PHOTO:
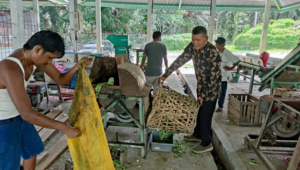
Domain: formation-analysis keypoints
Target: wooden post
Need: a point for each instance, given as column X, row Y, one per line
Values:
column 212, row 20
column 264, row 34
column 17, row 23
column 73, row 32
column 98, row 27
column 295, row 158
column 149, row 21
column 36, row 14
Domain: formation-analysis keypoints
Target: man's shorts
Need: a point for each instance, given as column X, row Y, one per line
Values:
column 17, row 138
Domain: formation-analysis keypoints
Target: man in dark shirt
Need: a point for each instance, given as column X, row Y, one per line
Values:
column 207, row 63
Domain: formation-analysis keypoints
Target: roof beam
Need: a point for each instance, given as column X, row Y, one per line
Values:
column 290, row 8
column 164, row 6
column 277, row 4
column 180, row 2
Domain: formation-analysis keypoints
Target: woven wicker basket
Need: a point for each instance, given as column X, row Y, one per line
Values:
column 172, row 111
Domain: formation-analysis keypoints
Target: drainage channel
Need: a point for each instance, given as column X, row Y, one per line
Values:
column 217, row 160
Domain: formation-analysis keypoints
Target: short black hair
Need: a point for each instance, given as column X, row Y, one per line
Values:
column 199, row 30
column 156, row 34
column 50, row 41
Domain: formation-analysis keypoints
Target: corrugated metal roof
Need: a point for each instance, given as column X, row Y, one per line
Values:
column 222, row 5
column 199, row 2
column 283, row 3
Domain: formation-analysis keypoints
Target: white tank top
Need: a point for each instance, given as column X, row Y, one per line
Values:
column 7, row 107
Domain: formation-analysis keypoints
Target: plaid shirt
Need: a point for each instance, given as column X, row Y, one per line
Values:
column 207, row 63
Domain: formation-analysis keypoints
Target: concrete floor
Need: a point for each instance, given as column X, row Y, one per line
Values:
column 154, row 160
column 160, row 160
column 166, row 161
column 234, row 133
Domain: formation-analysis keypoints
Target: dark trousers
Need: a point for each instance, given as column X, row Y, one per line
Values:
column 223, row 94
column 203, row 128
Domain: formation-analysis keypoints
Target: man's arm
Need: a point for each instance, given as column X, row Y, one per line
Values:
column 14, row 81
column 231, row 68
column 234, row 59
column 180, row 60
column 143, row 61
column 64, row 78
column 166, row 61
column 165, row 57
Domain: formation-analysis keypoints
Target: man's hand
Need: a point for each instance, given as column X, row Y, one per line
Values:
column 228, row 68
column 142, row 67
column 161, row 80
column 200, row 100
column 72, row 132
column 86, row 61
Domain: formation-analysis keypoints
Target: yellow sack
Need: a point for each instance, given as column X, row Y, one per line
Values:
column 90, row 151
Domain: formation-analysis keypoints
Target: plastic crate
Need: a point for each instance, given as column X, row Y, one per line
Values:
column 159, row 146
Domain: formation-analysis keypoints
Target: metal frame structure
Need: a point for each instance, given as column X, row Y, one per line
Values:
column 270, row 77
column 285, row 112
column 136, row 123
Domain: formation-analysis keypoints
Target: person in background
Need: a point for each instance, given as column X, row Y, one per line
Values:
column 227, row 59
column 155, row 52
column 18, row 137
column 207, row 63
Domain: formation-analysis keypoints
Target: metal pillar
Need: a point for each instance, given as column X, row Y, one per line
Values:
column 36, row 14
column 17, row 23
column 255, row 19
column 98, row 27
column 73, row 32
column 252, row 81
column 272, row 85
column 212, row 20
column 264, row 33
column 149, row 21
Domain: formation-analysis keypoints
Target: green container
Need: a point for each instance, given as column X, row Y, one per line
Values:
column 121, row 43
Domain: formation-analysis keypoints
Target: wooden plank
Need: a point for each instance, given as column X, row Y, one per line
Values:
column 280, row 149
column 235, row 119
column 234, row 102
column 62, row 165
column 53, row 153
column 257, row 62
column 257, row 115
column 46, row 133
column 296, row 157
column 244, row 112
column 235, row 112
column 249, row 109
column 53, row 114
column 254, row 98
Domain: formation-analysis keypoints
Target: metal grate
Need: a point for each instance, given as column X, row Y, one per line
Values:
column 30, row 27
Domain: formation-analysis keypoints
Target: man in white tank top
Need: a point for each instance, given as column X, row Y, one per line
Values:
column 18, row 136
